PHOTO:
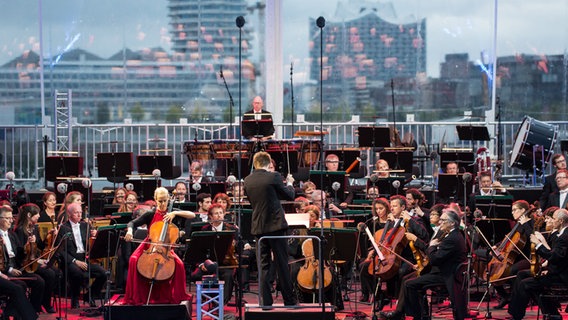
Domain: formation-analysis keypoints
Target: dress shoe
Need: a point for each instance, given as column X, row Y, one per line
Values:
column 553, row 317
column 49, row 309
column 502, row 303
column 392, row 315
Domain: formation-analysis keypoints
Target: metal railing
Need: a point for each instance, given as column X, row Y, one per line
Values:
column 22, row 147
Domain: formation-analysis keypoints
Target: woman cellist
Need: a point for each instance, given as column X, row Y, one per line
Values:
column 517, row 239
column 28, row 235
column 172, row 290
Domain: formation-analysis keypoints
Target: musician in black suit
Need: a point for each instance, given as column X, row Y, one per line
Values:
column 446, row 255
column 259, row 114
column 216, row 215
column 527, row 286
column 13, row 254
column 560, row 197
column 559, row 162
column 264, row 190
column 72, row 256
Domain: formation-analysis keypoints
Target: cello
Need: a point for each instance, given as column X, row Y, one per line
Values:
column 157, row 262
column 500, row 265
column 308, row 276
column 391, row 243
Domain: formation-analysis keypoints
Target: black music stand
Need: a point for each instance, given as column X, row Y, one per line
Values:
column 451, row 187
column 147, row 164
column 106, row 241
column 205, row 245
column 246, row 223
column 212, row 188
column 195, row 227
column 374, row 137
column 463, row 159
column 494, row 229
column 386, row 187
column 398, row 160
column 185, row 206
column 58, row 166
column 281, row 159
column 328, row 178
column 114, row 166
column 257, row 128
column 473, row 133
column 338, row 243
column 110, row 209
column 144, row 186
column 227, row 167
column 120, row 218
column 497, row 206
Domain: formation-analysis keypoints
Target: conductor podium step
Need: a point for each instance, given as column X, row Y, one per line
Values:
column 281, row 312
column 115, row 310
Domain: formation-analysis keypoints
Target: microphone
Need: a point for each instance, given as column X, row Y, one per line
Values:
column 86, row 183
column 466, row 177
column 363, row 156
column 241, row 21
column 196, row 186
column 396, row 184
column 335, row 186
column 157, row 173
column 477, row 213
column 129, row 186
column 62, row 188
column 221, row 71
column 10, row 175
column 320, row 22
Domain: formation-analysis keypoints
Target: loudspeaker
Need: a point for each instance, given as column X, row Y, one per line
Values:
column 180, row 311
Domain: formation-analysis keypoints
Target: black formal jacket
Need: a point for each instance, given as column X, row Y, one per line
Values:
column 18, row 248
column 69, row 252
column 448, row 254
column 554, row 200
column 557, row 257
column 548, row 188
column 265, row 190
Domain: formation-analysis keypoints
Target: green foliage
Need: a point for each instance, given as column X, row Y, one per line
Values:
column 137, row 112
column 174, row 113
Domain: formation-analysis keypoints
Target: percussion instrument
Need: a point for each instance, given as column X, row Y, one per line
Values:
column 533, row 133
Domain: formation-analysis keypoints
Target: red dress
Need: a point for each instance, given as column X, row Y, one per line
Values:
column 170, row 291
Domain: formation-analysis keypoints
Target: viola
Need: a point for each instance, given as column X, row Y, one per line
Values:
column 308, row 276
column 500, row 265
column 157, row 262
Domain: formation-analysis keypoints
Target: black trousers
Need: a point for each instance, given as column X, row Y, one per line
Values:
column 279, row 248
column 18, row 303
column 77, row 277
column 527, row 286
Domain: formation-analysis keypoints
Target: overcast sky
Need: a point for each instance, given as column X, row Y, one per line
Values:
column 453, row 26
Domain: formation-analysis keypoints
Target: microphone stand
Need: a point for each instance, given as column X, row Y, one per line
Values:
column 292, row 95
column 231, row 102
column 240, row 22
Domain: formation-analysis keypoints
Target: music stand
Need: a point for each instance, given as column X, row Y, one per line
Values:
column 227, row 167
column 103, row 247
column 144, row 186
column 120, row 218
column 463, row 159
column 110, row 209
column 58, row 166
column 338, row 244
column 186, row 206
column 257, row 128
column 375, row 137
column 398, row 160
column 473, row 133
column 147, row 164
column 385, row 186
column 450, row 186
column 494, row 229
column 208, row 187
column 196, row 227
column 328, row 178
column 246, row 223
column 497, row 206
column 281, row 158
column 114, row 166
column 205, row 245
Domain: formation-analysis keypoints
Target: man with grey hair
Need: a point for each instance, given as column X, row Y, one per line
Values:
column 527, row 286
column 447, row 254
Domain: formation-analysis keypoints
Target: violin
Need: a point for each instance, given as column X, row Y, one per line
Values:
column 31, row 252
column 500, row 265
column 308, row 276
column 535, row 262
column 157, row 262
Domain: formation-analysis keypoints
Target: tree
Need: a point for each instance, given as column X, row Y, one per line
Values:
column 137, row 112
column 174, row 113
column 102, row 113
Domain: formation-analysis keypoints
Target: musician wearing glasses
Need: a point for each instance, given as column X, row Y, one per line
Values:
column 446, row 255
column 559, row 198
column 526, row 286
column 13, row 254
column 559, row 162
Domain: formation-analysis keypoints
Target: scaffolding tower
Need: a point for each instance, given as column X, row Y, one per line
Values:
column 63, row 107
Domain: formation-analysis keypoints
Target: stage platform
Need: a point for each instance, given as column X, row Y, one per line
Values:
column 352, row 308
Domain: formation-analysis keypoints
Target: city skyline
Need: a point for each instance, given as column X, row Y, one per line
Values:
column 106, row 26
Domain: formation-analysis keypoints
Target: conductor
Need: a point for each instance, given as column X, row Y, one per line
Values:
column 265, row 189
